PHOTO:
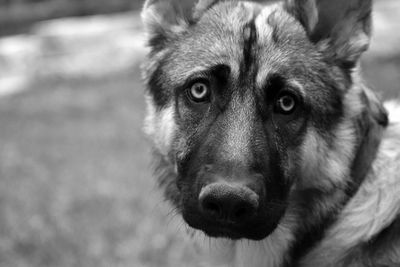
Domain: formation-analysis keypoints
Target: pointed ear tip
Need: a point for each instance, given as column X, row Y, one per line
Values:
column 150, row 7
column 152, row 22
column 151, row 15
column 147, row 17
column 148, row 3
column 145, row 9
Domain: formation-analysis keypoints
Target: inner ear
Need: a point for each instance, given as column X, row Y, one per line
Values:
column 345, row 25
column 336, row 15
column 321, row 18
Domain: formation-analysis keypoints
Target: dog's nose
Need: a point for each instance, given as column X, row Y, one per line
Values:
column 228, row 203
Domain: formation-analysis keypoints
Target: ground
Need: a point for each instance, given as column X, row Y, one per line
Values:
column 76, row 187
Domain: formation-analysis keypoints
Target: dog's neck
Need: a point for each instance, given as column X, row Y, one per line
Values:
column 375, row 205
column 369, row 131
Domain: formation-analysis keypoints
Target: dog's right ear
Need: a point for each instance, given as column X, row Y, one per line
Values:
column 165, row 19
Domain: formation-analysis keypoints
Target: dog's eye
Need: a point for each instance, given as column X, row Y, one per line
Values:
column 286, row 104
column 199, row 92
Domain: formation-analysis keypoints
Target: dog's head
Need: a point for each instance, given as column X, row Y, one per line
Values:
column 255, row 109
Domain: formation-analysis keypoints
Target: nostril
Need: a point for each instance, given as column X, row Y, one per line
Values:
column 211, row 207
column 240, row 213
column 243, row 211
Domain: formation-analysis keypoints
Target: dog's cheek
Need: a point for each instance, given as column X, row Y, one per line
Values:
column 189, row 114
column 160, row 126
column 291, row 167
column 327, row 165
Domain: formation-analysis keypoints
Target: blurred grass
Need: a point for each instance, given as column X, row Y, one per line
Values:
column 383, row 75
column 19, row 16
column 75, row 187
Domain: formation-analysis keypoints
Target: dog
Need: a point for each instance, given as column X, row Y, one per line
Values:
column 263, row 130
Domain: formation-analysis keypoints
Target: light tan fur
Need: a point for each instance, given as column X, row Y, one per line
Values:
column 160, row 126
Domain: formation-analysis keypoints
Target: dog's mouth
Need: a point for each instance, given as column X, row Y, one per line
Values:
column 234, row 233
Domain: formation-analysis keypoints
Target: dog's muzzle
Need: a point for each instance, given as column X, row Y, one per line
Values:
column 230, row 207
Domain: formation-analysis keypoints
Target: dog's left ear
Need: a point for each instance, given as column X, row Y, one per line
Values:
column 344, row 25
column 165, row 19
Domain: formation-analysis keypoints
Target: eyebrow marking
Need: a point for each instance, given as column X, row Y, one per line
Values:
column 199, row 72
column 219, row 72
column 274, row 82
column 248, row 63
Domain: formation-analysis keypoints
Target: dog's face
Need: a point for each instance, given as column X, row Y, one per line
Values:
column 253, row 108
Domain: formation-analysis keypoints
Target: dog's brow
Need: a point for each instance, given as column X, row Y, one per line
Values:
column 278, row 82
column 193, row 73
column 298, row 86
column 219, row 71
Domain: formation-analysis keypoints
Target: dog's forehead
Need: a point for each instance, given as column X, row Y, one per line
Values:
column 224, row 32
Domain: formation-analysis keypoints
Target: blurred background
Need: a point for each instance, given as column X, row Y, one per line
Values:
column 75, row 180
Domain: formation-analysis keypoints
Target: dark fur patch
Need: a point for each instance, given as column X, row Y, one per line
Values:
column 156, row 86
column 250, row 40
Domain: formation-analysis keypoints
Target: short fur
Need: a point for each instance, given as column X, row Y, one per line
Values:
column 328, row 174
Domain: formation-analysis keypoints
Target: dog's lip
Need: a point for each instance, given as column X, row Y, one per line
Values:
column 234, row 232
column 235, row 235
